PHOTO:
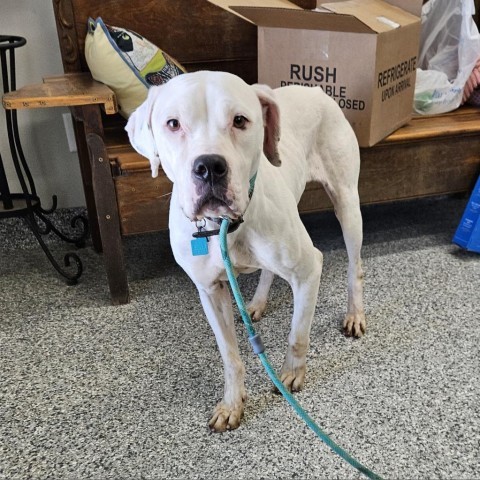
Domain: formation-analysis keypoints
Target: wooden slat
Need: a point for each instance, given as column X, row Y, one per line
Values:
column 405, row 171
column 62, row 91
column 143, row 202
column 409, row 170
column 128, row 161
column 465, row 120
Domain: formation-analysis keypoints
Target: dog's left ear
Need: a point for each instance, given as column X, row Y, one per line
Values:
column 271, row 122
column 139, row 129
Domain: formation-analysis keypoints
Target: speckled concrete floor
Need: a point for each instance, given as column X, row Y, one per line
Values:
column 92, row 391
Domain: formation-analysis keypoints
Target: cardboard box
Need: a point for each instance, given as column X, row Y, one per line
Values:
column 468, row 231
column 363, row 53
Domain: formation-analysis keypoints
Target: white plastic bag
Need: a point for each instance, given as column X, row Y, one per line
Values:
column 449, row 49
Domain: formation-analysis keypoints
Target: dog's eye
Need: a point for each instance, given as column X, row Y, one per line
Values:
column 173, row 124
column 239, row 121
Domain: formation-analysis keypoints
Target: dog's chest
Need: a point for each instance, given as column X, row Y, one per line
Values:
column 242, row 257
column 208, row 268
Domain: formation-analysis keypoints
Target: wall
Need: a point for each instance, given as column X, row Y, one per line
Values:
column 54, row 167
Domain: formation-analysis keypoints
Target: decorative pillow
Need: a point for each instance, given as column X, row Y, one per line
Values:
column 126, row 62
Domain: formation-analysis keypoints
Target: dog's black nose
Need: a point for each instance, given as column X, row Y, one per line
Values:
column 210, row 168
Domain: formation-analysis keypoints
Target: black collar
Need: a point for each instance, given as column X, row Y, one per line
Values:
column 210, row 233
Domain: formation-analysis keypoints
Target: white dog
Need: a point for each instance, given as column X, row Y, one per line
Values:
column 212, row 133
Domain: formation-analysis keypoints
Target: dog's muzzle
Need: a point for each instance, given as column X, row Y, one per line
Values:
column 210, row 174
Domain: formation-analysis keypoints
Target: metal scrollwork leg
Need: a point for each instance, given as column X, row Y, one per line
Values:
column 71, row 279
column 52, row 208
column 77, row 221
column 27, row 205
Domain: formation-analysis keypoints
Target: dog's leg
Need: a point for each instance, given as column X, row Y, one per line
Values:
column 258, row 304
column 347, row 210
column 305, row 281
column 217, row 305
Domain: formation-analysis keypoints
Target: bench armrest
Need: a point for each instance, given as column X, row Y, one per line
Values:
column 69, row 90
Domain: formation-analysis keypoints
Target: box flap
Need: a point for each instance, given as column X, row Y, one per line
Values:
column 357, row 16
column 228, row 4
column 378, row 15
column 307, row 4
column 412, row 6
column 302, row 19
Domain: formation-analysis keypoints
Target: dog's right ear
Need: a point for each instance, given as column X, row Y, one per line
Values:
column 139, row 129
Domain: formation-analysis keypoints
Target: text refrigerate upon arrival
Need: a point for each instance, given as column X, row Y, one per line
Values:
column 396, row 72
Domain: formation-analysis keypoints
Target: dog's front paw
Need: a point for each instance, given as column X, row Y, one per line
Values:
column 256, row 310
column 292, row 374
column 294, row 379
column 354, row 324
column 226, row 418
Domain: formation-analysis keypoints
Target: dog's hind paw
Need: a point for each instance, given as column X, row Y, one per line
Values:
column 225, row 418
column 354, row 325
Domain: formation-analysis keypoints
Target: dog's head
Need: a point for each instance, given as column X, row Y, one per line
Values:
column 208, row 131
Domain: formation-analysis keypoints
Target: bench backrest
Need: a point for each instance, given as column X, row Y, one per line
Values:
column 200, row 35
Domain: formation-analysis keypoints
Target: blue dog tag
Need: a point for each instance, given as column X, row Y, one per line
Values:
column 199, row 246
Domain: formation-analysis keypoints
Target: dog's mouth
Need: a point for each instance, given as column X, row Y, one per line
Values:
column 215, row 203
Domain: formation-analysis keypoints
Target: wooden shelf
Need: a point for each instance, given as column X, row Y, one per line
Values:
column 70, row 90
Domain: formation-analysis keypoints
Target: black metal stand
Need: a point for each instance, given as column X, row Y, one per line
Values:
column 27, row 204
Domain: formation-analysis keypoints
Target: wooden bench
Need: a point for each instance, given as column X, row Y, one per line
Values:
column 429, row 156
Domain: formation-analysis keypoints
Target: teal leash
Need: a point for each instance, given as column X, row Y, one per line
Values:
column 258, row 348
